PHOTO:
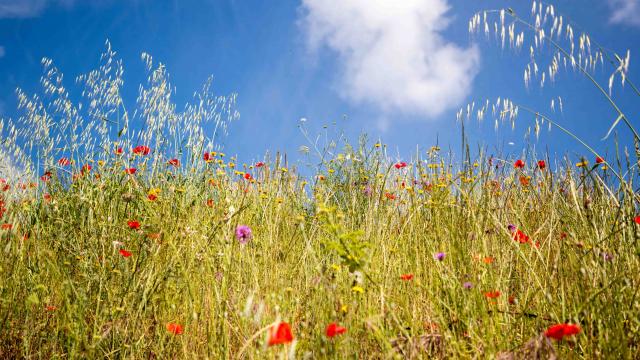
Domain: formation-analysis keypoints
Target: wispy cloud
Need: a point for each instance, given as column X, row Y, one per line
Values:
column 393, row 54
column 28, row 8
column 625, row 12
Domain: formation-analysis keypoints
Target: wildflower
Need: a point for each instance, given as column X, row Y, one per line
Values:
column 390, row 196
column 406, row 277
column 259, row 164
column 208, row 157
column 582, row 163
column 467, row 285
column 541, row 164
column 599, row 160
column 247, row 176
column 524, row 180
column 607, row 257
column 133, row 224
column 519, row 164
column 357, row 289
column 46, row 176
column 400, row 165
column 334, row 329
column 175, row 329
column 152, row 197
column 488, row 260
column 492, row 294
column 130, row 171
column 118, row 151
column 174, row 162
column 51, row 308
column 7, row 226
column 86, row 168
column 141, row 150
column 46, row 197
column 124, row 253
column 511, row 300
column 280, row 334
column 367, row 191
column 243, row 234
column 560, row 331
column 637, row 219
column 64, row 162
column 439, row 256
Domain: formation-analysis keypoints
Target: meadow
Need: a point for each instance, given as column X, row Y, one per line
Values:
column 133, row 235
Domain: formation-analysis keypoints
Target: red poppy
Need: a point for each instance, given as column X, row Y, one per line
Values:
column 524, row 181
column 64, row 162
column 47, row 197
column 488, row 260
column 559, row 331
column 406, row 277
column 259, row 164
column 492, row 294
column 86, row 168
column 390, row 196
column 519, row 164
column 141, row 150
column 521, row 237
column 541, row 164
column 512, row 300
column 637, row 219
column 174, row 162
column 46, row 176
column 133, row 224
column 175, row 329
column 130, row 171
column 7, row 226
column 280, row 334
column 599, row 160
column 124, row 253
column 334, row 329
column 5, row 187
column 247, row 176
column 152, row 197
column 119, row 151
column 207, row 157
column 210, row 203
column 50, row 308
column 400, row 165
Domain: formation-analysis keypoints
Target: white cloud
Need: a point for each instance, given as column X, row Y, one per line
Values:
column 393, row 53
column 28, row 8
column 625, row 12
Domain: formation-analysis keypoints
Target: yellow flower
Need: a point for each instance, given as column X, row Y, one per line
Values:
column 101, row 163
column 582, row 163
column 284, row 169
column 377, row 145
column 155, row 191
column 344, row 309
column 357, row 289
column 232, row 165
column 335, row 267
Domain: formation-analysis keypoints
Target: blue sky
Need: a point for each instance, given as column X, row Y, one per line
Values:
column 346, row 61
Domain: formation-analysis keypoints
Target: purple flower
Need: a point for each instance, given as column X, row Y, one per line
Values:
column 243, row 234
column 439, row 256
column 467, row 285
column 367, row 190
column 607, row 256
column 511, row 227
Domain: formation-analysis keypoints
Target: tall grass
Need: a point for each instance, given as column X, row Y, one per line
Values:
column 428, row 258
